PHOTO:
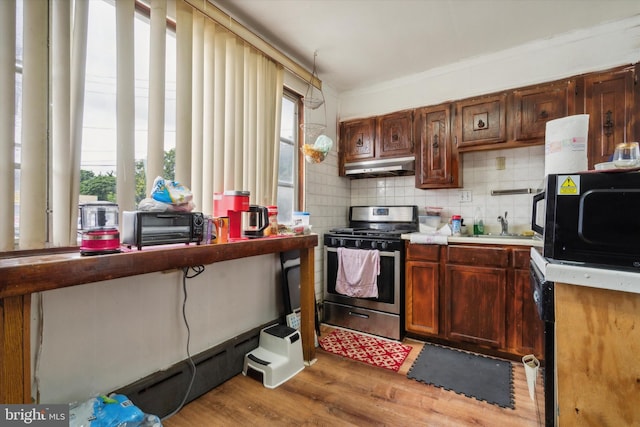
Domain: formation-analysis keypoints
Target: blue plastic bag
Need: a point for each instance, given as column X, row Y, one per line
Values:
column 171, row 192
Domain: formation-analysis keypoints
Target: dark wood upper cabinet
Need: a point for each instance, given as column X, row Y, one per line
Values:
column 533, row 107
column 509, row 119
column 609, row 99
column 380, row 137
column 394, row 134
column 437, row 159
column 481, row 121
column 357, row 138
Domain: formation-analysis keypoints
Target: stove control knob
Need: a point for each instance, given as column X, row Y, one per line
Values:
column 358, row 243
column 373, row 244
column 384, row 245
column 334, row 241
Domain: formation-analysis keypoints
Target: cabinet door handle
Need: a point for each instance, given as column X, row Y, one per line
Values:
column 359, row 142
column 608, row 124
column 481, row 124
column 544, row 114
column 435, row 142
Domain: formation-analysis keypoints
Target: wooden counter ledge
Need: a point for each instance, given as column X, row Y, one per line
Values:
column 24, row 273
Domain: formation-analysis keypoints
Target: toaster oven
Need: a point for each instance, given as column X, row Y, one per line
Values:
column 141, row 228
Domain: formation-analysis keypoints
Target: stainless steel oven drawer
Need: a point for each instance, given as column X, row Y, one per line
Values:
column 364, row 320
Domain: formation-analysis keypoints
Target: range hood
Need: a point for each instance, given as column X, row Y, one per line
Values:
column 398, row 166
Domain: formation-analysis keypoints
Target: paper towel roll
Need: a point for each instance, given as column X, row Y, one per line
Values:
column 565, row 144
column 428, row 239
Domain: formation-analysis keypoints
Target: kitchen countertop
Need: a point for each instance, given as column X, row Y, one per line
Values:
column 576, row 274
column 486, row 240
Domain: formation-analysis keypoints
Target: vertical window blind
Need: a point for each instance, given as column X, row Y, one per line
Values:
column 7, row 121
column 229, row 97
column 235, row 112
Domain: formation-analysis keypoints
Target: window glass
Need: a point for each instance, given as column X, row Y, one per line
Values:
column 98, row 160
column 18, row 120
column 288, row 169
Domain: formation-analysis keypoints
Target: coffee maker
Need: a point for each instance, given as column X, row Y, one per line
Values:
column 255, row 221
column 231, row 204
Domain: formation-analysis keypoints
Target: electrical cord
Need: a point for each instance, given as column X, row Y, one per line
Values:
column 197, row 270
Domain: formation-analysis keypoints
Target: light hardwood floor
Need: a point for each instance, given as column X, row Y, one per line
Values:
column 337, row 391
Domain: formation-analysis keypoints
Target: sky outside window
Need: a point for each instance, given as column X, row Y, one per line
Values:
column 99, row 131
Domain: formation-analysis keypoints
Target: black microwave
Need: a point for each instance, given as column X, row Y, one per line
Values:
column 590, row 218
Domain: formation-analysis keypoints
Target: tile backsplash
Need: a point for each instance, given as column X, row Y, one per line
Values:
column 481, row 173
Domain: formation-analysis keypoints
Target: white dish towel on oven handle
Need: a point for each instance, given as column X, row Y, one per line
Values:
column 358, row 271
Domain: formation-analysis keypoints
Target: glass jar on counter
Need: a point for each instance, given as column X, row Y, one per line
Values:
column 273, row 220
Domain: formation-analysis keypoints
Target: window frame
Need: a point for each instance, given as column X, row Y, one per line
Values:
column 297, row 181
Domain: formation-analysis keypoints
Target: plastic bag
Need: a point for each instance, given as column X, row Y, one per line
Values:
column 170, row 192
column 317, row 152
column 151, row 205
column 114, row 410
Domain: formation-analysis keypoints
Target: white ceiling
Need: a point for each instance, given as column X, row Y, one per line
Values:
column 364, row 42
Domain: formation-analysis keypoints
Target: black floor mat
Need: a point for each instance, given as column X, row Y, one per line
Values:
column 480, row 377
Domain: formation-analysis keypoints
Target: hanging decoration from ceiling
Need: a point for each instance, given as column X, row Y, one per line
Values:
column 316, row 144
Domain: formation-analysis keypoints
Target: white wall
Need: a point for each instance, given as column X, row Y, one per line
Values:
column 101, row 336
column 573, row 53
column 327, row 195
column 596, row 49
column 524, row 168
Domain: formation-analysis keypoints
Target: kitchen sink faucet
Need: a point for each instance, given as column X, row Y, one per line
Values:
column 504, row 224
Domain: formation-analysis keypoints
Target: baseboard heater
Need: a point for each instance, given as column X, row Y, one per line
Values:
column 161, row 392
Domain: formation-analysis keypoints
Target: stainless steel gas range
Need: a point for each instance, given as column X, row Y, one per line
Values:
column 377, row 230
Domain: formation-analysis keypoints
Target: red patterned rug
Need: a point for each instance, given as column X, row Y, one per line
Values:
column 364, row 348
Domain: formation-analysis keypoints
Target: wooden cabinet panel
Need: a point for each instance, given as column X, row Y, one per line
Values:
column 422, row 297
column 488, row 256
column 481, row 121
column 418, row 252
column 534, row 107
column 521, row 258
column 597, row 347
column 528, row 326
column 357, row 139
column 609, row 101
column 437, row 159
column 525, row 329
column 475, row 301
column 394, row 134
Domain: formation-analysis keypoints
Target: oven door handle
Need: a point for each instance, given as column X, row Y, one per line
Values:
column 356, row 314
column 382, row 253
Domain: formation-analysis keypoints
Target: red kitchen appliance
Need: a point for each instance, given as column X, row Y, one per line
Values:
column 98, row 228
column 231, row 204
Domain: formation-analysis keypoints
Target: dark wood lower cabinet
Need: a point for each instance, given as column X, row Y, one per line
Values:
column 527, row 332
column 473, row 296
column 475, row 305
column 422, row 282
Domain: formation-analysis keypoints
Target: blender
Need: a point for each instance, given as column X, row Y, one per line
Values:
column 98, row 227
